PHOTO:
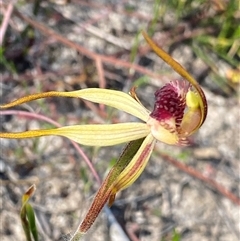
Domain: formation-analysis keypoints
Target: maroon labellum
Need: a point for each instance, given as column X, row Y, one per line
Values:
column 171, row 102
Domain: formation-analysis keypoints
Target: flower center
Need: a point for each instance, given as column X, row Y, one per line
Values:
column 170, row 102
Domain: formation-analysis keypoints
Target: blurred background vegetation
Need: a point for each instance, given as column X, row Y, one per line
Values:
column 94, row 44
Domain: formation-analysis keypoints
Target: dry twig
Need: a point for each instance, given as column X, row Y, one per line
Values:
column 197, row 175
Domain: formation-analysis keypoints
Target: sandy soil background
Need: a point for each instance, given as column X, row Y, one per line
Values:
column 165, row 203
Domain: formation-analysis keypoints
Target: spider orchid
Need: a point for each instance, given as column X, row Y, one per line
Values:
column 179, row 111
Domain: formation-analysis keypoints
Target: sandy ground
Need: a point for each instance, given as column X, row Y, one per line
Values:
column 164, row 200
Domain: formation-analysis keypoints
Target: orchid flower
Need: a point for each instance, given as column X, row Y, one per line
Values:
column 179, row 111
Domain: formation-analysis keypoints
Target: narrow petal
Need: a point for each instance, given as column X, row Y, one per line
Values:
column 116, row 99
column 135, row 168
column 127, row 169
column 104, row 192
column 91, row 135
column 180, row 70
column 113, row 98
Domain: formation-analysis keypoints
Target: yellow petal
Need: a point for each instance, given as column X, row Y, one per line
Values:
column 91, row 135
column 136, row 166
column 113, row 98
column 180, row 70
column 116, row 99
column 127, row 169
column 104, row 192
